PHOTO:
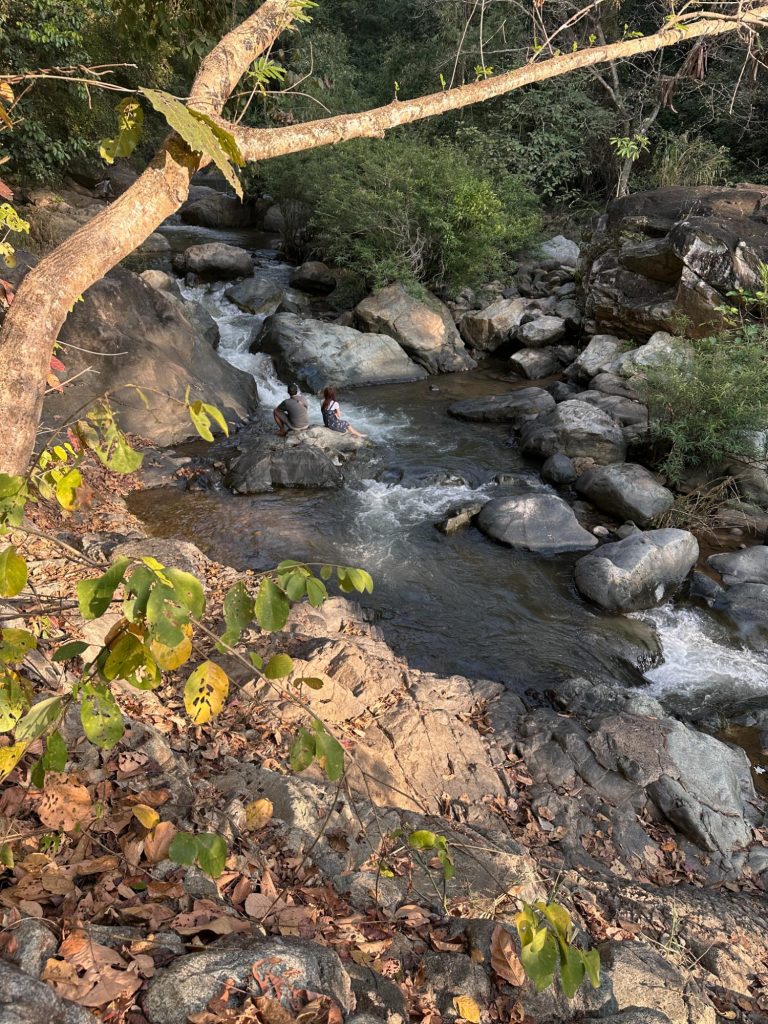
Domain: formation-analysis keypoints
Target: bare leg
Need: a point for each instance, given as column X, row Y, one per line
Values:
column 282, row 424
column 355, row 433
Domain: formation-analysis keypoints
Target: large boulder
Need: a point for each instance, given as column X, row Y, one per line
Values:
column 745, row 605
column 543, row 331
column 209, row 208
column 660, row 349
column 575, row 429
column 314, row 277
column 25, row 1000
column 215, row 261
column 598, row 355
column 126, row 335
column 542, row 523
column 630, row 415
column 748, row 566
column 676, row 253
column 258, row 295
column 641, row 571
column 514, row 407
column 425, row 330
column 487, row 329
column 626, row 491
column 318, row 354
column 274, row 463
column 535, row 363
column 561, row 250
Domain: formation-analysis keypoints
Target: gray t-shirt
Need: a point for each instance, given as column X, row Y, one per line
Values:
column 295, row 410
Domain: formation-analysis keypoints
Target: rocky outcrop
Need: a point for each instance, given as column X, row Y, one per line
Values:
column 310, row 459
column 575, row 429
column 675, row 253
column 541, row 332
column 542, row 523
column 214, row 261
column 662, row 348
column 598, row 355
column 748, row 566
column 641, row 571
column 514, row 407
column 626, row 491
column 318, row 354
column 424, row 330
column 488, row 329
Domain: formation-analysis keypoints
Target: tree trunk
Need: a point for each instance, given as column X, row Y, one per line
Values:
column 625, row 172
column 50, row 290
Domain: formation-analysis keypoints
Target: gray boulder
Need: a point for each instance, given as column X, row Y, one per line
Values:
column 424, row 330
column 748, row 566
column 626, row 491
column 543, row 331
column 314, row 277
column 598, row 355
column 561, row 250
column 216, row 210
column 274, row 463
column 535, row 363
column 542, row 523
column 660, row 348
column 202, row 321
column 644, row 982
column 25, row 1000
column 612, row 384
column 258, row 295
column 162, row 281
column 215, row 261
column 559, row 470
column 187, row 985
column 630, row 415
column 641, row 571
column 745, row 605
column 513, row 407
column 577, row 430
column 487, row 329
column 318, row 354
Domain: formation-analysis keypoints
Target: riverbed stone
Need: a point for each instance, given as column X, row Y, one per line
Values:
column 561, row 249
column 535, row 522
column 162, row 281
column 313, row 277
column 186, row 985
column 627, row 491
column 535, row 363
column 318, row 354
column 559, row 470
column 630, row 415
column 599, row 354
column 513, row 407
column 25, row 1000
column 746, row 606
column 611, row 384
column 271, row 463
column 214, row 261
column 459, row 517
column 35, row 944
column 488, row 329
column 424, row 329
column 748, row 566
column 576, row 429
column 209, row 208
column 541, row 332
column 257, row 295
column 639, row 572
column 661, row 348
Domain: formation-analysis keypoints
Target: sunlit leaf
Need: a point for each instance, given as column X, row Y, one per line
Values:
column 100, row 716
column 278, row 666
column 329, row 753
column 13, row 572
column 95, row 596
column 272, row 607
column 148, row 816
column 130, row 121
column 205, row 692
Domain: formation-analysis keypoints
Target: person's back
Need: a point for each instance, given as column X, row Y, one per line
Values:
column 296, row 413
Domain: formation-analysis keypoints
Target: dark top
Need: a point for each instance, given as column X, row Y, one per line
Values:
column 295, row 410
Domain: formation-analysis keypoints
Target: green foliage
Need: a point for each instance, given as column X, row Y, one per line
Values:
column 546, row 939
column 207, row 849
column 713, row 406
column 682, row 159
column 424, row 840
column 400, row 210
column 130, row 122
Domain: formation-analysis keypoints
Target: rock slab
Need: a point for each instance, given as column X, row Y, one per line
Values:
column 542, row 523
column 627, row 491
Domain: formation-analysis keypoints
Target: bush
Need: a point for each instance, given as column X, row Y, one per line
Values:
column 713, row 406
column 400, row 210
column 685, row 160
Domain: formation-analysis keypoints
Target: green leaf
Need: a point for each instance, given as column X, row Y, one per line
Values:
column 217, row 416
column 130, row 121
column 100, row 715
column 446, row 859
column 558, row 917
column 14, row 701
column 183, row 848
column 13, row 572
column 272, row 607
column 95, row 596
column 539, row 958
column 279, row 666
column 138, row 586
column 37, row 720
column 360, row 580
column 316, row 592
column 197, row 133
column 66, row 488
column 123, row 459
column 295, row 586
column 127, row 654
column 591, row 961
column 71, row 650
column 302, row 751
column 312, row 682
column 326, row 571
column 422, row 839
column 6, row 856
column 212, row 853
column 15, row 644
column 329, row 753
column 55, row 757
column 238, row 612
column 571, row 970
column 288, row 564
column 200, row 420
column 189, row 591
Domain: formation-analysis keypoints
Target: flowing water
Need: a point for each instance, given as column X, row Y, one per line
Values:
column 449, row 604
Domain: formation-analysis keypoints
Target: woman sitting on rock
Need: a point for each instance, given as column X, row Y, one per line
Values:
column 332, row 415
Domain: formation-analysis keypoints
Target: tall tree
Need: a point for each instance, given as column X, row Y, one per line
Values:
column 50, row 290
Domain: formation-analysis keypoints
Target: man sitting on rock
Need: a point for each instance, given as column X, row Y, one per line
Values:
column 292, row 413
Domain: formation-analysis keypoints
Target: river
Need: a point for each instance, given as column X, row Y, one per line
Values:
column 457, row 604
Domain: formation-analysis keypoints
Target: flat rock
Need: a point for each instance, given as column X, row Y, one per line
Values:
column 575, row 429
column 627, row 491
column 510, row 408
column 641, row 571
column 535, row 363
column 748, row 566
column 318, row 354
column 490, row 328
column 535, row 522
column 543, row 331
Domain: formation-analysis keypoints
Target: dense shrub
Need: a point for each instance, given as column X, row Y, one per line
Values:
column 690, row 160
column 398, row 209
column 714, row 405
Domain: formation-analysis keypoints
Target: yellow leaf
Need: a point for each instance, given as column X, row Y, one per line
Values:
column 467, row 1008
column 258, row 814
column 170, row 658
column 205, row 692
column 9, row 758
column 148, row 816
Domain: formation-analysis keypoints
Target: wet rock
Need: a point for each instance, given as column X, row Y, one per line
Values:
column 186, row 986
column 318, row 354
column 660, row 349
column 535, row 522
column 746, row 606
column 459, row 517
column 630, row 415
column 559, row 470
column 575, row 429
column 314, row 277
column 562, row 391
column 514, row 407
column 561, row 249
column 425, row 330
column 24, row 1000
column 626, row 491
column 639, row 572
column 202, row 321
column 545, row 330
column 35, row 944
column 258, row 295
column 214, row 261
column 489, row 328
column 642, row 977
column 448, row 975
column 296, row 302
column 598, row 355
column 420, row 477
column 271, row 464
column 534, row 363
column 703, row 588
column 748, row 566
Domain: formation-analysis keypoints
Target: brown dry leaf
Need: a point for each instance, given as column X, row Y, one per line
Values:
column 97, row 865
column 258, row 814
column 467, row 1009
column 65, row 804
column 158, row 842
column 110, row 985
column 63, row 978
column 223, row 925
column 58, row 881
column 504, row 958
column 257, row 905
column 272, row 1011
column 81, row 951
